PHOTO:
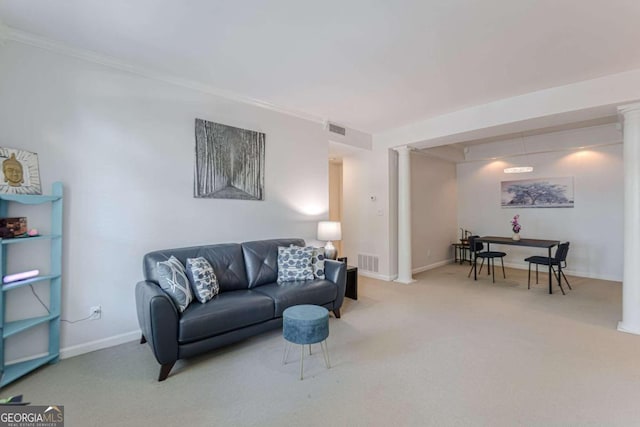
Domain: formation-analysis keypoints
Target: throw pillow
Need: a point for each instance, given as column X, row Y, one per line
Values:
column 294, row 263
column 317, row 263
column 174, row 282
column 203, row 279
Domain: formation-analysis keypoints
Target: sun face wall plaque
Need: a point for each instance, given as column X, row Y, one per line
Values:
column 20, row 173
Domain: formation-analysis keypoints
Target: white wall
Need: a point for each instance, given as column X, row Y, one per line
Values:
column 433, row 211
column 365, row 224
column 123, row 146
column 593, row 226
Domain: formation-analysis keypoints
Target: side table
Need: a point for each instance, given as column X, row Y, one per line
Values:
column 351, row 290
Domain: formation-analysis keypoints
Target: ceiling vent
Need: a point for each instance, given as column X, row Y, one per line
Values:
column 337, row 129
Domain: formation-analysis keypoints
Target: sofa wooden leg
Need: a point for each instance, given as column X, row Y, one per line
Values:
column 164, row 371
column 143, row 339
column 336, row 312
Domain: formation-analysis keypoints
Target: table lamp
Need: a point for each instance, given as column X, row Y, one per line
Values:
column 329, row 231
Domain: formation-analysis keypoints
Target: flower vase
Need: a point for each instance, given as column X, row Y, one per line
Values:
column 516, row 236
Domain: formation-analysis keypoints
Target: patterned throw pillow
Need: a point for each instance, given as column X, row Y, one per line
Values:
column 317, row 263
column 203, row 280
column 174, row 282
column 294, row 263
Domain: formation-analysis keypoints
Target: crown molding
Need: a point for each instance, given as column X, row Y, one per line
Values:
column 628, row 108
column 19, row 36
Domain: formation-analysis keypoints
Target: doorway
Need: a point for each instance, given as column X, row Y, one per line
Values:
column 335, row 195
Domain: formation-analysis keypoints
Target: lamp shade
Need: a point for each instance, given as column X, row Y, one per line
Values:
column 329, row 230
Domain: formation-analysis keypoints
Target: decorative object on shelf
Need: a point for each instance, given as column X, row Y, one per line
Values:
column 229, row 162
column 515, row 226
column 9, row 278
column 12, row 227
column 329, row 231
column 33, row 232
column 20, row 173
column 538, row 193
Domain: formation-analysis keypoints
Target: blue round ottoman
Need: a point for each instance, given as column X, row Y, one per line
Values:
column 306, row 325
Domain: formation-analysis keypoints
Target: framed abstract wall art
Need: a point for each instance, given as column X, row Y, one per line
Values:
column 20, row 173
column 538, row 193
column 229, row 162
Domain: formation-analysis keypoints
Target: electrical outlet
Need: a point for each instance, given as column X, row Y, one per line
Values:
column 95, row 312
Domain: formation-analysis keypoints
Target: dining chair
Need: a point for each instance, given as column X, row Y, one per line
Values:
column 476, row 249
column 559, row 260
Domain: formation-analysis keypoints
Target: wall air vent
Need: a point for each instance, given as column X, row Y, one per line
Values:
column 368, row 262
column 337, row 129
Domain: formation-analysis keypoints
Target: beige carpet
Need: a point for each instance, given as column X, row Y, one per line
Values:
column 444, row 351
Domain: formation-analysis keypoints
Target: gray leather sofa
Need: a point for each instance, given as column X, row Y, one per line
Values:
column 250, row 301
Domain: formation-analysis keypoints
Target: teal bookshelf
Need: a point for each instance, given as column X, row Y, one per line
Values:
column 11, row 372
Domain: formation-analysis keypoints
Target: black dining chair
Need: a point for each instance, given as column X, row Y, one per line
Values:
column 476, row 249
column 559, row 260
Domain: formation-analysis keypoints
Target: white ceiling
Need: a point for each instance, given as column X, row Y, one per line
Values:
column 369, row 64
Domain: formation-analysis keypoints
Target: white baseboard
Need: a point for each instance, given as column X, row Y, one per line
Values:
column 24, row 359
column 391, row 278
column 431, row 266
column 376, row 275
column 76, row 350
column 623, row 328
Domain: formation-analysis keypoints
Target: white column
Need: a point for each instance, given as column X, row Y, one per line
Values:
column 631, row 270
column 405, row 266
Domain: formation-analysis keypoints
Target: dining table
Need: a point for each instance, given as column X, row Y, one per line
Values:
column 534, row 243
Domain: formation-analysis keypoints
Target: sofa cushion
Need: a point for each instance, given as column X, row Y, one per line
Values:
column 173, row 280
column 203, row 279
column 226, row 312
column 318, row 292
column 261, row 259
column 294, row 263
column 226, row 259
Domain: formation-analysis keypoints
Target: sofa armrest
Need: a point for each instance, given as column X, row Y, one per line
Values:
column 158, row 319
column 336, row 272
